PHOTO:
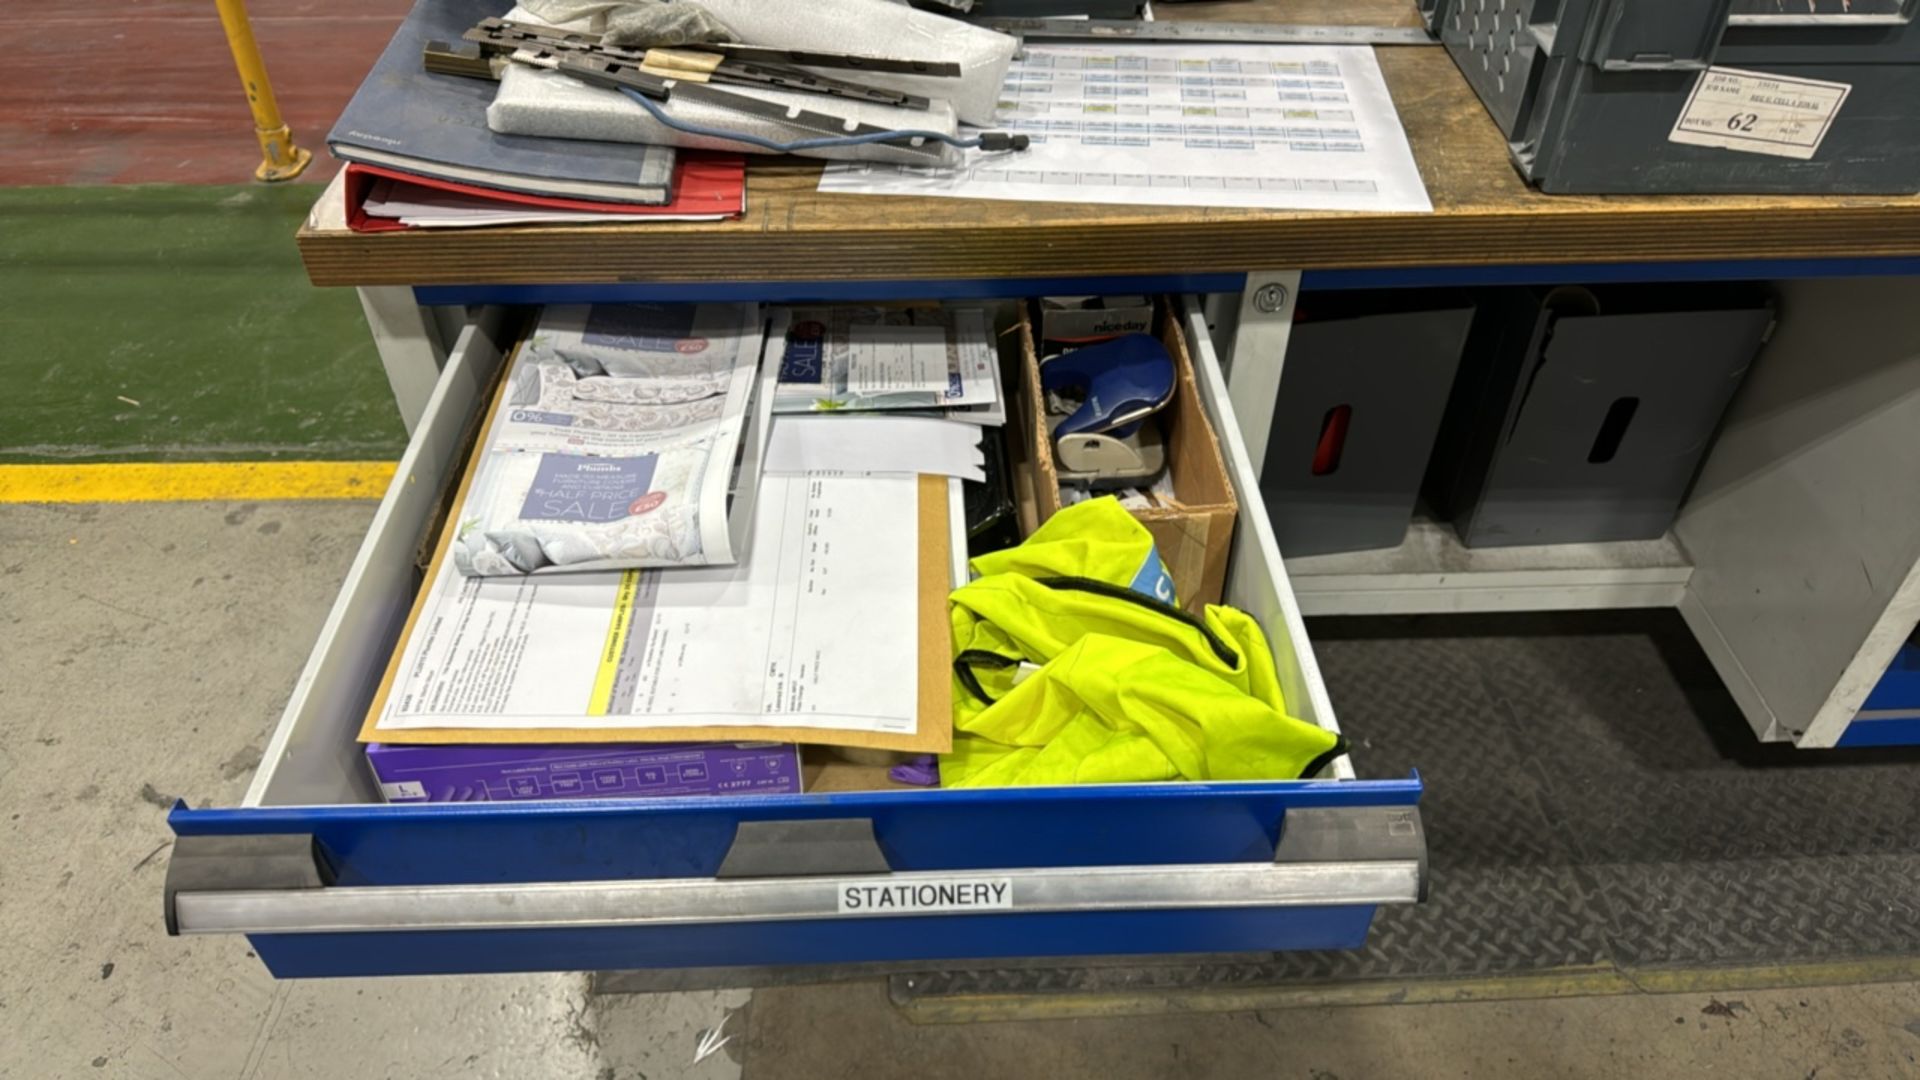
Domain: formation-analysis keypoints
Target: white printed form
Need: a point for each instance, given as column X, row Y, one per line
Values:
column 896, row 359
column 1300, row 127
column 817, row 628
column 1758, row 113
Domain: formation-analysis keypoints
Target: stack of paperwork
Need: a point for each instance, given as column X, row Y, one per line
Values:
column 831, row 627
column 625, row 442
column 871, row 390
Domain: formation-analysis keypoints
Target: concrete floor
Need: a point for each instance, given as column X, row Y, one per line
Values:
column 145, row 655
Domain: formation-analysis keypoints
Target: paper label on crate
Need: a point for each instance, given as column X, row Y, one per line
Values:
column 1757, row 113
column 881, row 897
column 897, row 359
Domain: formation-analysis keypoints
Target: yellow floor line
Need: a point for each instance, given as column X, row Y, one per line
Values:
column 194, row 481
column 1593, row 981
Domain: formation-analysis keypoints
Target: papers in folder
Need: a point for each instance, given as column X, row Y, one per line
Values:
column 857, row 358
column 437, row 208
column 875, row 445
column 832, row 628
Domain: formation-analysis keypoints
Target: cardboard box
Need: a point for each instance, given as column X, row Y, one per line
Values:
column 1194, row 537
column 417, row 774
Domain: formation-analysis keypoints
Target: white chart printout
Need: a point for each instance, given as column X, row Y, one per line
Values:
column 1291, row 127
column 809, row 631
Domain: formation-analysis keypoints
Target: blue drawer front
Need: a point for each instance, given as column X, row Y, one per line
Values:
column 822, row 292
column 1899, row 688
column 477, row 843
column 1892, row 731
column 844, row 941
column 917, row 831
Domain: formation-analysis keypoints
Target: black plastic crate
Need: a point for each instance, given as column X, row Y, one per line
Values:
column 1582, row 415
column 1810, row 96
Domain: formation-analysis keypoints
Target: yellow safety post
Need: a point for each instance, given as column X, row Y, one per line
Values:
column 280, row 159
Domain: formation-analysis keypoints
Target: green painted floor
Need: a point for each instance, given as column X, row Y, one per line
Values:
column 167, row 322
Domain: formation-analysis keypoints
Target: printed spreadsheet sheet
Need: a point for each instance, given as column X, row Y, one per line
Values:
column 1279, row 126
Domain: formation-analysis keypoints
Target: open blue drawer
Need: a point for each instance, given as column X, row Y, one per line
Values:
column 1899, row 689
column 1891, row 714
column 325, row 879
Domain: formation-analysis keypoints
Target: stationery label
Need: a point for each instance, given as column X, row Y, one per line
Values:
column 878, row 897
column 1757, row 113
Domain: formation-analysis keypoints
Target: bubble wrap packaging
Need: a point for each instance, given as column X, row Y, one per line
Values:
column 884, row 28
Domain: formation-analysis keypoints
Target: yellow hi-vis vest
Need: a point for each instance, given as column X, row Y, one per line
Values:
column 1073, row 666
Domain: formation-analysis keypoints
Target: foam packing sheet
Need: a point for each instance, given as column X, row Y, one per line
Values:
column 552, row 105
column 884, row 28
column 547, row 104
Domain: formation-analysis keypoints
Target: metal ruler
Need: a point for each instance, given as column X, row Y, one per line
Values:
column 1176, row 31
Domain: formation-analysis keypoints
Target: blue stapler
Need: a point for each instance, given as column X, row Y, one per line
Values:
column 1106, row 441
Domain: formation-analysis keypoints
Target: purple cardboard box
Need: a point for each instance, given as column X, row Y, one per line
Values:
column 414, row 774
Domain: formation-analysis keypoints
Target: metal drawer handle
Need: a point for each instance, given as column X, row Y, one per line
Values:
column 1352, row 856
column 684, row 902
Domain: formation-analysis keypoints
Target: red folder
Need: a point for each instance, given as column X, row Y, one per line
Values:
column 703, row 183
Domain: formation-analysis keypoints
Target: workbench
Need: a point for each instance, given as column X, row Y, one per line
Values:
column 1487, row 226
column 1795, row 561
column 1484, row 217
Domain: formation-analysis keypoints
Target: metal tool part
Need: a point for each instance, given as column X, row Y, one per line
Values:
column 938, row 69
column 662, row 75
column 826, row 124
column 1175, row 32
column 465, row 58
column 506, row 30
column 506, row 34
column 599, row 71
column 729, row 66
column 699, row 65
column 614, row 74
